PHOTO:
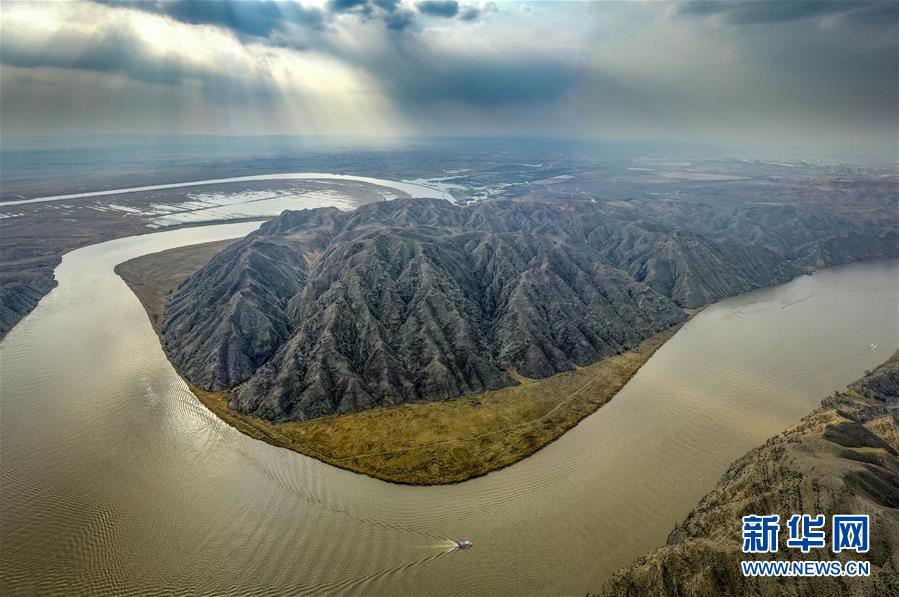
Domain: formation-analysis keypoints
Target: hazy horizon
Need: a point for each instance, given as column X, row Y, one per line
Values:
column 256, row 146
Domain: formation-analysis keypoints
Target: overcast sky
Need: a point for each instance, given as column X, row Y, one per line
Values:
column 816, row 74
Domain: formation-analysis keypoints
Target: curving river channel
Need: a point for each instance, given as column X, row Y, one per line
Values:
column 115, row 478
column 412, row 188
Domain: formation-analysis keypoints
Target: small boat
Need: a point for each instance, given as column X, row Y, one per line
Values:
column 463, row 543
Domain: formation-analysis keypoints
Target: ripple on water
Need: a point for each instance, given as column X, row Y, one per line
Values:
column 115, row 478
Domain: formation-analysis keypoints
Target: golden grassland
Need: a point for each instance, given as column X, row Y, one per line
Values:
column 428, row 443
column 433, row 443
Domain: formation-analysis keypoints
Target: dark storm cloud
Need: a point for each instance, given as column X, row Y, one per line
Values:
column 759, row 12
column 257, row 19
column 109, row 51
column 451, row 8
column 423, row 79
column 399, row 20
column 119, row 51
column 469, row 13
column 438, row 8
column 473, row 13
column 412, row 72
column 779, row 72
column 265, row 20
column 394, row 16
column 348, row 5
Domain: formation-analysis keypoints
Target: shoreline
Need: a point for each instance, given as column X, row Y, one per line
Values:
column 402, row 186
column 841, row 456
column 422, row 443
column 425, row 443
column 286, row 435
column 41, row 234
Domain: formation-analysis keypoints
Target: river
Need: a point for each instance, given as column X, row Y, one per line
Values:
column 115, row 478
column 413, row 188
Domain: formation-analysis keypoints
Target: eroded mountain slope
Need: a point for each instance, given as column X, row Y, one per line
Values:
column 322, row 311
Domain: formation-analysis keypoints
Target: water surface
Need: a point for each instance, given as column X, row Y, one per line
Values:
column 414, row 188
column 115, row 478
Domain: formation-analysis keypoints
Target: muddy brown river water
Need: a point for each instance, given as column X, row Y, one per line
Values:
column 116, row 479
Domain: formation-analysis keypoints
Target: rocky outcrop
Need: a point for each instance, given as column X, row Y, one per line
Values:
column 841, row 459
column 810, row 235
column 694, row 270
column 406, row 314
column 232, row 315
column 22, row 285
column 323, row 312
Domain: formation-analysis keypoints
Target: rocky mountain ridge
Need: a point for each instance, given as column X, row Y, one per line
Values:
column 322, row 312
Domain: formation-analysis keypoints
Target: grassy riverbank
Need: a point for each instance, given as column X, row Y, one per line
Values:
column 427, row 443
column 434, row 443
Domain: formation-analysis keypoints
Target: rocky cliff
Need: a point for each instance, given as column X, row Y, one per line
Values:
column 22, row 285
